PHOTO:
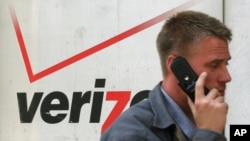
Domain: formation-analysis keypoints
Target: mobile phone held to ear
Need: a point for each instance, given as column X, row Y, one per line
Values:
column 186, row 76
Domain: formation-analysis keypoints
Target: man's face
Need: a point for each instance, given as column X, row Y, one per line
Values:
column 212, row 55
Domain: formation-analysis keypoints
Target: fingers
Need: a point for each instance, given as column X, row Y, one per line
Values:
column 213, row 94
column 208, row 107
column 220, row 99
column 200, row 85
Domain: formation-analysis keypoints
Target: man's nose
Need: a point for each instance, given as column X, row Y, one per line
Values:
column 225, row 75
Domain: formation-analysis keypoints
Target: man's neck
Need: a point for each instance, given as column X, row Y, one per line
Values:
column 170, row 85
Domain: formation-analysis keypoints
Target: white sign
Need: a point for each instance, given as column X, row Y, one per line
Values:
column 69, row 68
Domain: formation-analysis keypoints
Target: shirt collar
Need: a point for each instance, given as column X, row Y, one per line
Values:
column 179, row 116
column 162, row 119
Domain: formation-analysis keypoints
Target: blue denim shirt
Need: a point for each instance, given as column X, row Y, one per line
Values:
column 150, row 120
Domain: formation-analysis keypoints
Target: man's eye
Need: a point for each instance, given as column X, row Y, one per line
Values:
column 214, row 64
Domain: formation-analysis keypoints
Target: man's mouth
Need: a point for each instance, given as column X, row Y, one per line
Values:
column 222, row 92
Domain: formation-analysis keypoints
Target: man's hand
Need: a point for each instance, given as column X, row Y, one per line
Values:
column 209, row 110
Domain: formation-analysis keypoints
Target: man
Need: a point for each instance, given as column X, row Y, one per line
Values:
column 169, row 114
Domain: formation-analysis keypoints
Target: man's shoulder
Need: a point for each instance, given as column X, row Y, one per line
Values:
column 139, row 115
column 133, row 123
column 141, row 112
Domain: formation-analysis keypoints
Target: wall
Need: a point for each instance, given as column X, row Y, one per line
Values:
column 237, row 18
column 65, row 65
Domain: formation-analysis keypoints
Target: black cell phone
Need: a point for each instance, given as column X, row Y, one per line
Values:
column 186, row 76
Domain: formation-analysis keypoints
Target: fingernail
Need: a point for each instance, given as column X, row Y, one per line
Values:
column 204, row 73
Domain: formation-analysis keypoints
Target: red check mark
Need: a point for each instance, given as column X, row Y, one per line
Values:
column 34, row 77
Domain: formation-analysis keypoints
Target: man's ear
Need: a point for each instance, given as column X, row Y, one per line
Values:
column 169, row 61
